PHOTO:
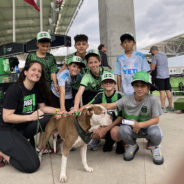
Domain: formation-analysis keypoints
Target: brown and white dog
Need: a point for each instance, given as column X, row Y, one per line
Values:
column 89, row 119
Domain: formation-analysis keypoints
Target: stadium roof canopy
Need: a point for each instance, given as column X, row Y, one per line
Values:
column 58, row 16
column 172, row 47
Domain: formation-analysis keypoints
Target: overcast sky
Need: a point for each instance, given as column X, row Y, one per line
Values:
column 155, row 20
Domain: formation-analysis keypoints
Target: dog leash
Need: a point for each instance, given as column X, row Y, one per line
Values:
column 41, row 130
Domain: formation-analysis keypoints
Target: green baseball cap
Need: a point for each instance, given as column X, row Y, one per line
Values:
column 108, row 76
column 142, row 76
column 77, row 60
column 43, row 35
column 91, row 53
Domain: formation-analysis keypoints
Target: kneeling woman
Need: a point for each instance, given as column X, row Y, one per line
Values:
column 23, row 104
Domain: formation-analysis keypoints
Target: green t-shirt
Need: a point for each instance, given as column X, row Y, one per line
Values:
column 91, row 82
column 48, row 62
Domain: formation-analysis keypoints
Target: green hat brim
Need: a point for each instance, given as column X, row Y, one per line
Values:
column 138, row 80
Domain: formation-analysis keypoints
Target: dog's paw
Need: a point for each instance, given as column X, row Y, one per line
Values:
column 63, row 179
column 88, row 169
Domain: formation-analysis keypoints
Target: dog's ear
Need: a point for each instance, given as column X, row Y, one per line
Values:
column 90, row 111
column 87, row 111
column 86, row 114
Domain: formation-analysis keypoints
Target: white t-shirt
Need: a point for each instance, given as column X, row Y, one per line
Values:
column 64, row 79
column 127, row 67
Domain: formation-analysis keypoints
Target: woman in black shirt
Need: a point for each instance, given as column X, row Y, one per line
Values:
column 24, row 102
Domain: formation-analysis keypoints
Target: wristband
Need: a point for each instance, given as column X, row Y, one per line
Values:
column 57, row 110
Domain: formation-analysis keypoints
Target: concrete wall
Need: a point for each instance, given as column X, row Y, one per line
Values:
column 115, row 18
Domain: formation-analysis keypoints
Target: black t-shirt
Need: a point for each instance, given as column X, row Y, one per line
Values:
column 24, row 101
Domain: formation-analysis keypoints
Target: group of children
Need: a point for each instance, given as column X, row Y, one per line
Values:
column 81, row 81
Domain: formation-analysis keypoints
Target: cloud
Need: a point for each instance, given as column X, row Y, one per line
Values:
column 87, row 22
column 158, row 20
column 155, row 21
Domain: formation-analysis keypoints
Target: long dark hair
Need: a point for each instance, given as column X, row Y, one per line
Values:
column 41, row 84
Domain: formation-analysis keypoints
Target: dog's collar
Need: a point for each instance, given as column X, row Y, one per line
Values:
column 86, row 137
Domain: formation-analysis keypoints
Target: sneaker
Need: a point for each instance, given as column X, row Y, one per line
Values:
column 130, row 151
column 157, row 155
column 120, row 147
column 94, row 144
column 164, row 110
column 171, row 109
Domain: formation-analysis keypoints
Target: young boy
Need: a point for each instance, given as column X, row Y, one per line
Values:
column 47, row 59
column 128, row 64
column 81, row 45
column 66, row 79
column 91, row 81
column 109, row 95
column 143, row 111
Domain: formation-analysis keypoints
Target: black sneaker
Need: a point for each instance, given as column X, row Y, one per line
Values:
column 120, row 149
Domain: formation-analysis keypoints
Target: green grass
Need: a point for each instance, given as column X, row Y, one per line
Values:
column 175, row 82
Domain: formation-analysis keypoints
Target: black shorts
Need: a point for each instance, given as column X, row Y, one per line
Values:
column 163, row 84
